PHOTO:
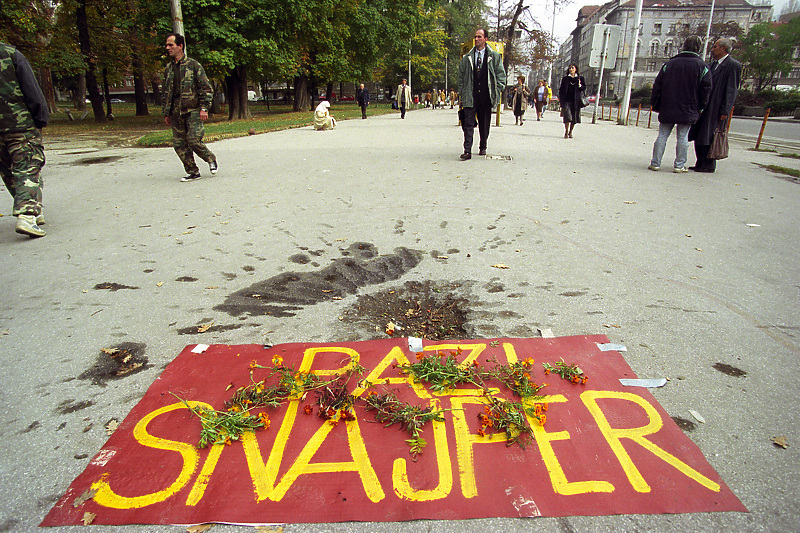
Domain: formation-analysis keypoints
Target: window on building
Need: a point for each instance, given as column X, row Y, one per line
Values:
column 654, row 46
column 671, row 30
column 668, row 49
column 657, row 28
column 651, row 66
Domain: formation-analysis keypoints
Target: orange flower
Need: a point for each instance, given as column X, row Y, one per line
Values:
column 576, row 379
column 584, row 379
column 546, row 371
column 235, row 409
column 527, row 375
column 308, row 409
column 277, row 360
column 253, row 364
column 420, row 356
column 486, row 408
column 537, row 410
column 544, row 407
column 528, row 362
column 481, row 433
column 228, row 441
column 476, row 364
column 542, row 419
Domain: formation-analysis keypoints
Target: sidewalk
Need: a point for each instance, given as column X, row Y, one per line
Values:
column 686, row 270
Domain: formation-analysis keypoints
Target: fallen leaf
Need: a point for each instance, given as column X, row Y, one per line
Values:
column 699, row 249
column 211, row 287
column 611, row 326
column 390, row 328
column 202, row 328
column 109, row 351
column 126, row 369
column 127, row 358
column 186, row 232
column 500, row 265
column 230, row 386
column 88, row 518
column 780, row 441
column 442, row 257
column 265, row 529
column 323, row 290
column 160, row 283
column 87, row 428
column 629, row 202
column 688, row 235
column 697, row 416
column 88, row 494
column 112, row 426
column 199, row 528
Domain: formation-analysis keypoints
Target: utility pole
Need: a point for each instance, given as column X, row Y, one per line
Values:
column 603, row 55
column 708, row 30
column 552, row 41
column 626, row 101
column 177, row 17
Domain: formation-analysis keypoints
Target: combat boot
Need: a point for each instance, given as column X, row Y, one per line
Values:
column 26, row 225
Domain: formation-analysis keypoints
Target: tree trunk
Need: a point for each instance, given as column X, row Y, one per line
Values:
column 107, row 95
column 139, row 92
column 301, row 99
column 329, row 91
column 46, row 81
column 80, row 93
column 156, row 92
column 236, row 83
column 86, row 50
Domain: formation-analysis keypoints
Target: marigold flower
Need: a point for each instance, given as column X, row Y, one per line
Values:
column 528, row 361
column 277, row 360
column 420, row 356
column 481, row 433
column 486, row 408
column 476, row 364
column 584, row 379
column 235, row 409
column 544, row 407
column 537, row 410
column 228, row 441
column 546, row 371
column 308, row 409
column 542, row 419
column 253, row 364
column 575, row 379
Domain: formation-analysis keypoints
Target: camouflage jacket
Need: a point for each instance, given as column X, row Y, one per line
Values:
column 22, row 104
column 196, row 91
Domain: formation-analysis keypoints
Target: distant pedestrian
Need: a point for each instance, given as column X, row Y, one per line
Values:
column 481, row 80
column 541, row 97
column 572, row 88
column 519, row 103
column 680, row 92
column 452, row 98
column 186, row 97
column 403, row 97
column 363, row 99
column 323, row 120
column 726, row 74
column 24, row 114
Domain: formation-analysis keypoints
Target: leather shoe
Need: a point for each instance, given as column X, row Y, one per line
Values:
column 702, row 169
column 482, row 152
column 465, row 156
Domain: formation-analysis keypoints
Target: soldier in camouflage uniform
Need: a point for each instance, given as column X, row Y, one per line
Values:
column 187, row 96
column 23, row 112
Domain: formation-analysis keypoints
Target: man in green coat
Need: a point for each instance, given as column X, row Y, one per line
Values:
column 481, row 79
column 23, row 113
column 187, row 97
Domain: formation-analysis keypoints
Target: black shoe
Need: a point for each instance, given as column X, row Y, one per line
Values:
column 212, row 167
column 191, row 177
column 465, row 156
column 703, row 169
column 482, row 152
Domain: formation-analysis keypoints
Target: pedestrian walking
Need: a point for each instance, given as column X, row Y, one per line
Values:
column 519, row 102
column 481, row 80
column 541, row 97
column 363, row 99
column 570, row 94
column 403, row 97
column 726, row 74
column 186, row 97
column 680, row 91
column 24, row 114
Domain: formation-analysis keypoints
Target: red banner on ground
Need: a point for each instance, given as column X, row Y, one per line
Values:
column 604, row 449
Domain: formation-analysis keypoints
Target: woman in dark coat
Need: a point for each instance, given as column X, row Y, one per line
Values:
column 569, row 97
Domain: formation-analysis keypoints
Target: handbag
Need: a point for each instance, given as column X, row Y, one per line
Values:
column 719, row 145
column 584, row 100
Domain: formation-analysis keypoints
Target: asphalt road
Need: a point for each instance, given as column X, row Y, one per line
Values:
column 686, row 270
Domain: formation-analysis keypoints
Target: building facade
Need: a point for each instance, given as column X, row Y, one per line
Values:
column 663, row 27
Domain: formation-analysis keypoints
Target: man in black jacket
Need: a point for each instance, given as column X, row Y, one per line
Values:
column 362, row 95
column 726, row 73
column 680, row 92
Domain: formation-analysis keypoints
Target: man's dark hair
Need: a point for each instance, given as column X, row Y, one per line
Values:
column 693, row 43
column 179, row 40
column 485, row 34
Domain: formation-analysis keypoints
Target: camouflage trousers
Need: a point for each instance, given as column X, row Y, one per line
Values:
column 187, row 139
column 21, row 160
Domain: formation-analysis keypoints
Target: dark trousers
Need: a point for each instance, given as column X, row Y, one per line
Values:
column 403, row 110
column 482, row 114
column 701, row 151
column 363, row 111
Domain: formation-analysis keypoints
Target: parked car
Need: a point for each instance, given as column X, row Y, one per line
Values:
column 117, row 101
column 347, row 97
column 592, row 98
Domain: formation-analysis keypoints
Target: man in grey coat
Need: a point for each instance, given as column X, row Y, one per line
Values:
column 726, row 74
column 481, row 79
